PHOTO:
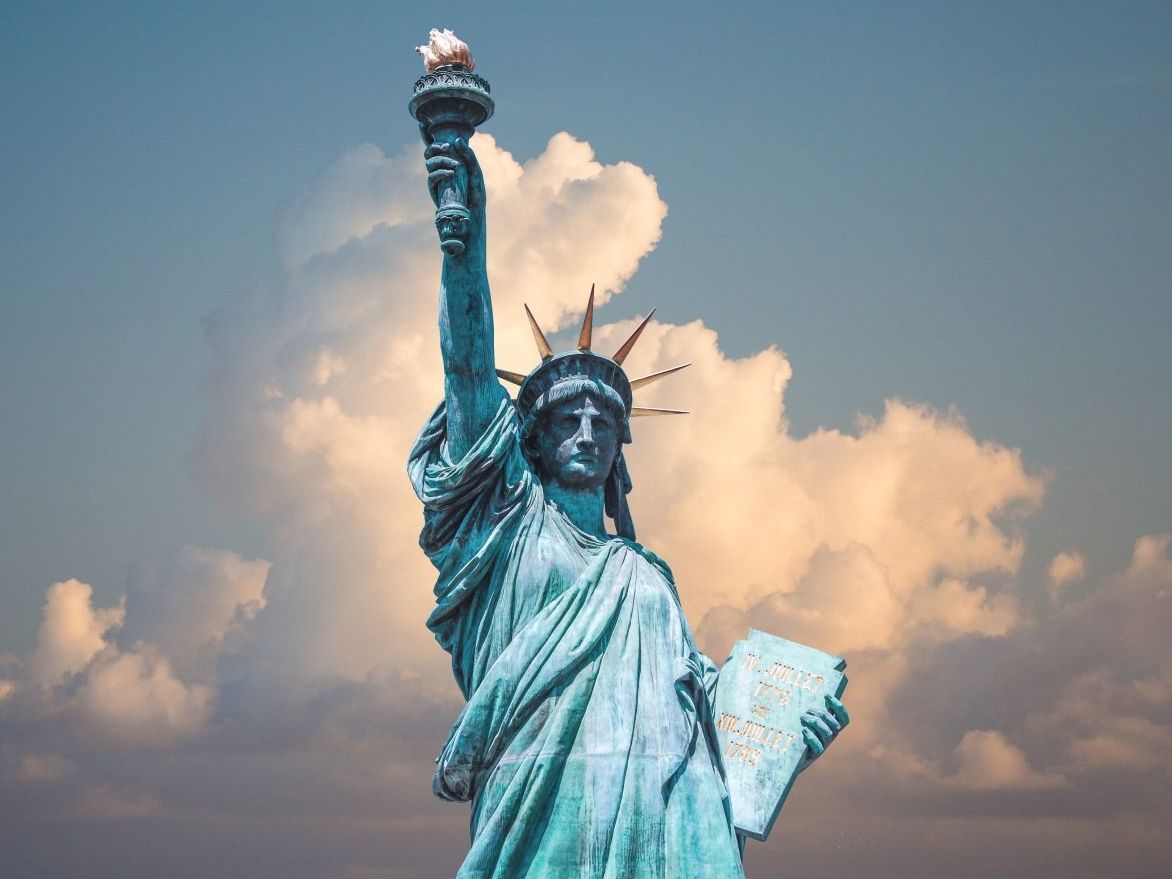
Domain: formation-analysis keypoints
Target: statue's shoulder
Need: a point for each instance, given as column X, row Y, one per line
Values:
column 635, row 546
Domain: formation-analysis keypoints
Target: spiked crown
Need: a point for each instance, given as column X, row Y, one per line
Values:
column 583, row 362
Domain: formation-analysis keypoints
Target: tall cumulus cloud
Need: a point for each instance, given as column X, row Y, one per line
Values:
column 288, row 709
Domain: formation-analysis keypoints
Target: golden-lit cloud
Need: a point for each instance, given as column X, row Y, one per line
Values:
column 989, row 761
column 79, row 678
column 71, row 632
column 135, row 698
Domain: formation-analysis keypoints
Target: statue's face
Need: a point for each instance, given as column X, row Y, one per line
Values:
column 578, row 443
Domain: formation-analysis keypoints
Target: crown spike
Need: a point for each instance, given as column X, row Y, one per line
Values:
column 656, row 376
column 587, row 323
column 543, row 348
column 637, row 411
column 621, row 354
column 512, row 377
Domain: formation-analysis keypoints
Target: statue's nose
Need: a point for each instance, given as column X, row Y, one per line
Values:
column 586, row 433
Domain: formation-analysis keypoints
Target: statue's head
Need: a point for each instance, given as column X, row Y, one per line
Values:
column 574, row 427
column 576, row 436
column 575, row 410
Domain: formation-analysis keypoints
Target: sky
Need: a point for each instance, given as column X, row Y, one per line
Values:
column 917, row 253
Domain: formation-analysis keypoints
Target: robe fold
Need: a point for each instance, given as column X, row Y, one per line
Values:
column 587, row 745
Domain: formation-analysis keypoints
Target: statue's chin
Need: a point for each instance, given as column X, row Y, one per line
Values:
column 578, row 477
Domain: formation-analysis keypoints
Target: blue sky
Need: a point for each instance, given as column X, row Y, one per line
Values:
column 959, row 205
column 951, row 205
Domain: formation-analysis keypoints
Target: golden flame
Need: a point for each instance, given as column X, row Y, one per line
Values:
column 444, row 47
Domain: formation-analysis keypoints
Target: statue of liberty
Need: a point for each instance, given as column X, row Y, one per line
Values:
column 587, row 745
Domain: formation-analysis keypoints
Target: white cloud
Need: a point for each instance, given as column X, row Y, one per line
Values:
column 135, row 698
column 188, row 605
column 71, row 632
column 106, row 677
column 989, row 761
column 1065, row 568
column 1082, row 693
column 742, row 508
column 1112, row 709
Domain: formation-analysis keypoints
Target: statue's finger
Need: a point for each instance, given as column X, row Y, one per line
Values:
column 476, row 192
column 469, row 157
column 442, row 162
column 811, row 740
column 817, row 725
column 838, row 710
column 436, row 177
column 829, row 719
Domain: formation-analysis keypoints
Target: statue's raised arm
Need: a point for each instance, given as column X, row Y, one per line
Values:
column 471, row 390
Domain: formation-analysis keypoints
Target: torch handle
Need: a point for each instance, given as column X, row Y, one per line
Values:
column 455, row 191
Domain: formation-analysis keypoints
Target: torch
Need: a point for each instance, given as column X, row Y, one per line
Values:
column 449, row 102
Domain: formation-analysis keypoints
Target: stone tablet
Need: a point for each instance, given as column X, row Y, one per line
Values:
column 761, row 693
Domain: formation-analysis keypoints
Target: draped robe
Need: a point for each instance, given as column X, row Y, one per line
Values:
column 587, row 745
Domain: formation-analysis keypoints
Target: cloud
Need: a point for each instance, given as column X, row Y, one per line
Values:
column 252, row 702
column 102, row 681
column 134, row 698
column 187, row 606
column 1084, row 693
column 1065, row 568
column 1113, row 710
column 989, row 761
column 71, row 632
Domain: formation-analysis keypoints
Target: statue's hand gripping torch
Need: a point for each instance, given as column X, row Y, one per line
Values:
column 449, row 102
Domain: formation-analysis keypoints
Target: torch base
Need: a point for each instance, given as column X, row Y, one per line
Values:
column 452, row 91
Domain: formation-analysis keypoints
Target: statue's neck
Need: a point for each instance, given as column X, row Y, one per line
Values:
column 583, row 507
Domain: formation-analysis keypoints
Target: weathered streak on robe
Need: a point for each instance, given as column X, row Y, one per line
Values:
column 587, row 745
